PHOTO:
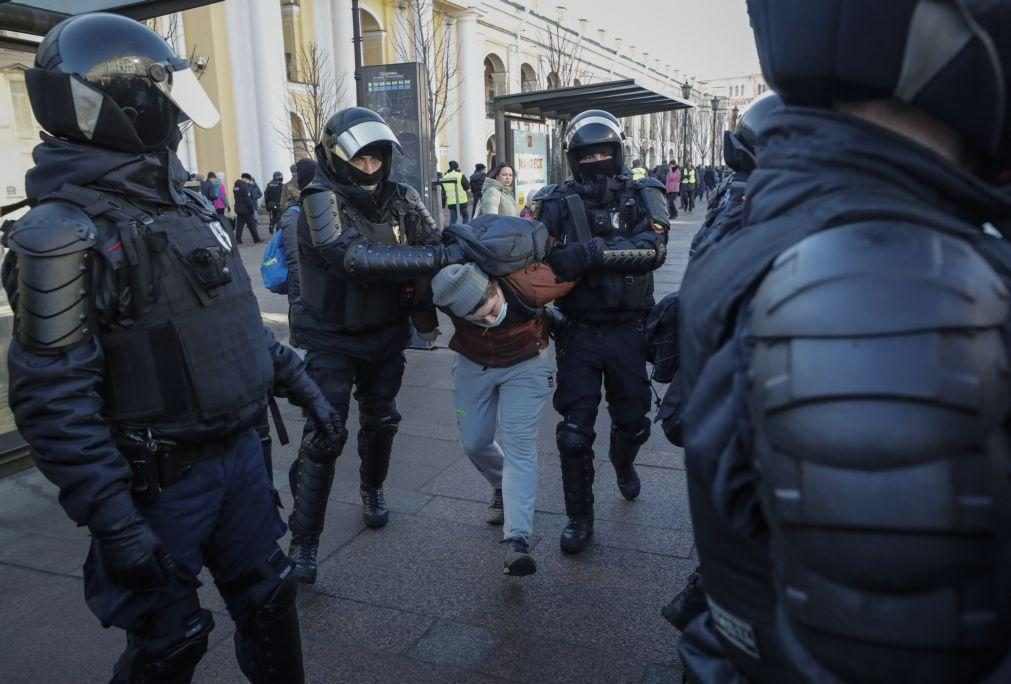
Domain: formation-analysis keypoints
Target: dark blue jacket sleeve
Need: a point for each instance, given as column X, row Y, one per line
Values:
column 57, row 408
column 288, row 225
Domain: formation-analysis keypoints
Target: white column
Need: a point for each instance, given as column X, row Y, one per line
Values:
column 322, row 26
column 471, row 119
column 240, row 54
column 344, row 48
column 268, row 64
column 452, row 130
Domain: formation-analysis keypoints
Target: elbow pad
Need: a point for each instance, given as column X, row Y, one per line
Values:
column 53, row 245
column 365, row 261
column 879, row 395
column 322, row 217
column 633, row 260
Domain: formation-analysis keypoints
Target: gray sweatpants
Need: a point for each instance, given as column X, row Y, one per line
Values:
column 512, row 399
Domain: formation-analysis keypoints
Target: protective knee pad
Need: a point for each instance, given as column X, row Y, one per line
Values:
column 268, row 643
column 635, row 434
column 313, row 478
column 575, row 450
column 574, row 439
column 375, row 443
column 168, row 646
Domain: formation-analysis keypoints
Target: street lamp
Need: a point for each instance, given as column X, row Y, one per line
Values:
column 686, row 92
column 715, row 102
column 733, row 118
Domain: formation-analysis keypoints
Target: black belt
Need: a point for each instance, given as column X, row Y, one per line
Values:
column 159, row 463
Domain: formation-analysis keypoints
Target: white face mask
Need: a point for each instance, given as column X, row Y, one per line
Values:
column 498, row 319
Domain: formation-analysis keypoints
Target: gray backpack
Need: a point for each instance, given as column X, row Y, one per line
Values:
column 500, row 245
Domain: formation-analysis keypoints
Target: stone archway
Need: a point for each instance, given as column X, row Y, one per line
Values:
column 528, row 78
column 496, row 80
column 490, row 156
column 373, row 37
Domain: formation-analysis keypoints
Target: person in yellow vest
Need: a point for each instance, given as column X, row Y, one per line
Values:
column 455, row 186
column 688, row 182
column 638, row 170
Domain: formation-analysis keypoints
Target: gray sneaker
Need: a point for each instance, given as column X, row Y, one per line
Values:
column 518, row 561
column 495, row 515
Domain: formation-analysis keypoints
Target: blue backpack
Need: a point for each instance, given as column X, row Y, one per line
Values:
column 274, row 268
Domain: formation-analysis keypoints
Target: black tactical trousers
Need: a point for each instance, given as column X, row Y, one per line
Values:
column 375, row 385
column 615, row 355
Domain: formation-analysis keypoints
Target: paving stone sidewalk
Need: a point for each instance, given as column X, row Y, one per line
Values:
column 423, row 599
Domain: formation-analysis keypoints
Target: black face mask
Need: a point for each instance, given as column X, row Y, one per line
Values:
column 364, row 179
column 597, row 169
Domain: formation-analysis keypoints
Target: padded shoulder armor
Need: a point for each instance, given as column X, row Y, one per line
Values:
column 53, row 243
column 416, row 204
column 879, row 396
column 654, row 198
column 322, row 217
column 546, row 191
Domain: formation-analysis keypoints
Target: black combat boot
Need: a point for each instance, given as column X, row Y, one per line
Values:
column 575, row 450
column 623, row 453
column 688, row 604
column 374, row 447
column 313, row 476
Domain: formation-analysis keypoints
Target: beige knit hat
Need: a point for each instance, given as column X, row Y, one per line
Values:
column 459, row 288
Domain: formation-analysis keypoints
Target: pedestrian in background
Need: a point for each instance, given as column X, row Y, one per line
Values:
column 272, row 198
column 305, row 171
column 503, row 375
column 673, row 187
column 688, row 179
column 638, row 172
column 499, row 193
column 214, row 190
column 455, row 186
column 245, row 208
column 477, row 185
column 700, row 182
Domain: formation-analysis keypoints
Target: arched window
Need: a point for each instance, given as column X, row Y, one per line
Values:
column 528, row 78
column 495, row 82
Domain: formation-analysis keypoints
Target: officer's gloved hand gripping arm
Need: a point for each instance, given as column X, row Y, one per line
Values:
column 56, row 367
column 348, row 252
column 640, row 250
column 293, row 382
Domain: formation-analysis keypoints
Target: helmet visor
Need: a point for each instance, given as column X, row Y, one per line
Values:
column 347, row 144
column 185, row 91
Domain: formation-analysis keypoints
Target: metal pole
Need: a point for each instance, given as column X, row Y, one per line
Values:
column 686, row 91
column 356, row 24
column 712, row 156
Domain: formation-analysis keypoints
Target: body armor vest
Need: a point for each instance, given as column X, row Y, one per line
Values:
column 604, row 289
column 349, row 305
column 178, row 322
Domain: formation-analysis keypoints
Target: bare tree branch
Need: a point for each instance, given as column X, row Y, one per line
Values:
column 563, row 53
column 417, row 40
column 313, row 100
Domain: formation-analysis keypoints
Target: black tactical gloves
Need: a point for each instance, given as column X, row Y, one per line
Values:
column 132, row 555
column 292, row 381
column 569, row 260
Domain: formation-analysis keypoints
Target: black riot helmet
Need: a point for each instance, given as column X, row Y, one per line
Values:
column 948, row 58
column 593, row 131
column 739, row 146
column 113, row 82
column 352, row 132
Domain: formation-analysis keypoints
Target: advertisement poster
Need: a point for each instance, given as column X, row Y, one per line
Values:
column 397, row 93
column 530, row 154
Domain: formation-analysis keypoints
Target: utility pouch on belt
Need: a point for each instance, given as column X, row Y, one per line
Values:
column 146, row 456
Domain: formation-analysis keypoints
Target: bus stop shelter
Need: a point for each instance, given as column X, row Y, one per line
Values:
column 621, row 98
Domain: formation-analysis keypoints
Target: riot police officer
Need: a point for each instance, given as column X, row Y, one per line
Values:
column 724, row 218
column 723, row 215
column 844, row 359
column 139, row 363
column 367, row 247
column 610, row 233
